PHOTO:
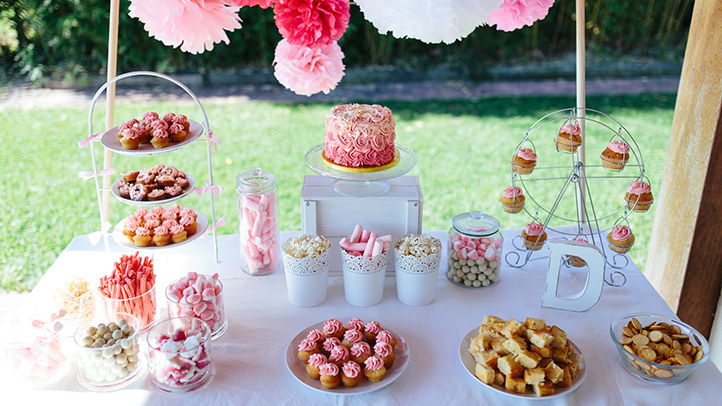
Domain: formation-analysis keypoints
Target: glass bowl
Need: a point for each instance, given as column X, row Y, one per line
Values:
column 655, row 371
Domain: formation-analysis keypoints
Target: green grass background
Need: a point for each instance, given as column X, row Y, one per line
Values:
column 463, row 148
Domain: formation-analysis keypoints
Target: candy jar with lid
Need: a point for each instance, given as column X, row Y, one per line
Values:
column 475, row 248
column 257, row 221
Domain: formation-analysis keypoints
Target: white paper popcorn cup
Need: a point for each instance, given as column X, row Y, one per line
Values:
column 363, row 278
column 416, row 278
column 307, row 279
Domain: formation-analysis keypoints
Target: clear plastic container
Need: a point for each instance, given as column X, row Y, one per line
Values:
column 257, row 221
column 475, row 249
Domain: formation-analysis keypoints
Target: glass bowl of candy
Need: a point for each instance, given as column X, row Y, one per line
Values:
column 179, row 354
column 108, row 352
column 657, row 348
column 32, row 356
column 201, row 296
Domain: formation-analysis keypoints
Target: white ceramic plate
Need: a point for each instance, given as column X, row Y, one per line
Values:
column 298, row 368
column 110, row 140
column 470, row 365
column 186, row 192
column 120, row 239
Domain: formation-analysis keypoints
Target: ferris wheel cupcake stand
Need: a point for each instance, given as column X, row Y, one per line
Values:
column 579, row 184
column 111, row 145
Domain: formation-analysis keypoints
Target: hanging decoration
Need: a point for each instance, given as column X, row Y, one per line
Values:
column 309, row 60
column 429, row 21
column 195, row 25
column 308, row 70
column 515, row 14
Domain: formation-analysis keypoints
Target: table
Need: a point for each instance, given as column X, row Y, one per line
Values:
column 250, row 357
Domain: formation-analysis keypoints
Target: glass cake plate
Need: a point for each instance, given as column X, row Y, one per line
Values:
column 363, row 183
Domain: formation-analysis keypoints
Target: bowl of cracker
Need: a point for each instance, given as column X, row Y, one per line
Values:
column 658, row 349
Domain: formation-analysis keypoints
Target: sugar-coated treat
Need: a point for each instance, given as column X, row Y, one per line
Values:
column 201, row 296
column 365, row 243
column 181, row 359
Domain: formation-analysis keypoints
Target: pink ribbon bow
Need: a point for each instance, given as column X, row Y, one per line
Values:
column 87, row 174
column 214, row 141
column 217, row 190
column 87, row 141
column 220, row 223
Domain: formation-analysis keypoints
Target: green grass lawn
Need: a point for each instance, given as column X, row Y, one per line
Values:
column 463, row 148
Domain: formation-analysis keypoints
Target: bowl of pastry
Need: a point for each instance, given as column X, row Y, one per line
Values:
column 657, row 348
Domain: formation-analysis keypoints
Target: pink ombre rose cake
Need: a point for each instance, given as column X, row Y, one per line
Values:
column 360, row 136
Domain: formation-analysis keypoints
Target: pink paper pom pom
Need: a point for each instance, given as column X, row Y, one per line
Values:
column 250, row 3
column 311, row 22
column 515, row 14
column 308, row 70
column 196, row 24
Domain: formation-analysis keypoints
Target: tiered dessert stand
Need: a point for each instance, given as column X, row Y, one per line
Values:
column 111, row 145
column 579, row 184
column 361, row 182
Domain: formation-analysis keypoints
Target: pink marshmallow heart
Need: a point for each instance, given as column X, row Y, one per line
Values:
column 210, row 306
column 470, row 246
column 208, row 294
column 199, row 308
column 194, row 298
column 180, row 285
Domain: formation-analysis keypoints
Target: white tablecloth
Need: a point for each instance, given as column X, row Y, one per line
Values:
column 250, row 357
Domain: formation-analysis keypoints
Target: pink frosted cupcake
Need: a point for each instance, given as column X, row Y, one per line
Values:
column 569, row 137
column 616, row 155
column 131, row 224
column 130, row 139
column 333, row 328
column 161, row 236
column 314, row 363
column 307, row 348
column 639, row 196
column 329, row 344
column 360, row 352
column 350, row 374
column 317, row 336
column 386, row 337
column 534, row 236
column 178, row 233
column 374, row 370
column 621, row 239
column 329, row 375
column 351, row 337
column 574, row 260
column 355, row 324
column 372, row 328
column 386, row 352
column 512, row 199
column 142, row 237
column 339, row 355
column 524, row 161
column 189, row 223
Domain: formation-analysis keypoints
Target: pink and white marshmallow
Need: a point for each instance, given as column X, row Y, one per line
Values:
column 365, row 243
column 258, row 231
column 200, row 296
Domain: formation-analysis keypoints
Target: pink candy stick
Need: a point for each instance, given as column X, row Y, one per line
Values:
column 385, row 238
column 378, row 248
column 252, row 249
column 356, row 235
column 266, row 258
column 271, row 209
column 364, row 236
column 252, row 203
column 370, row 245
column 348, row 246
column 274, row 256
column 268, row 225
column 257, row 229
column 387, row 245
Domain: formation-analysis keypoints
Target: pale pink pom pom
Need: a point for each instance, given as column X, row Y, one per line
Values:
column 515, row 14
column 308, row 70
column 196, row 24
column 311, row 22
column 250, row 3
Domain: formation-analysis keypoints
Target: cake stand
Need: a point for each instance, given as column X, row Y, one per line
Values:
column 364, row 182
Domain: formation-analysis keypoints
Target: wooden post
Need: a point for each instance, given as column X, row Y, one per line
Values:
column 110, row 106
column 685, row 252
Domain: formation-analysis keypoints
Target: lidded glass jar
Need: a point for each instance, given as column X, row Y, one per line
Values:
column 475, row 248
column 257, row 221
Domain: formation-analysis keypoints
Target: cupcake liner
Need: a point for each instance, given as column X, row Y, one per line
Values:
column 524, row 169
column 638, row 205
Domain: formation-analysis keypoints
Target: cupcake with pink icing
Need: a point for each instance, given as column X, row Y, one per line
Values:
column 178, row 233
column 161, row 236
column 329, row 375
column 130, row 138
column 360, row 352
column 350, row 374
column 189, row 223
column 315, row 361
column 329, row 344
column 621, row 239
column 355, row 324
column 533, row 236
column 333, row 328
column 142, row 237
column 160, row 134
column 386, row 337
column 374, row 369
column 386, row 352
column 131, row 224
column 512, row 199
column 639, row 196
column 569, row 137
column 339, row 355
column 317, row 336
column 306, row 348
column 616, row 155
column 351, row 337
column 524, row 161
column 372, row 328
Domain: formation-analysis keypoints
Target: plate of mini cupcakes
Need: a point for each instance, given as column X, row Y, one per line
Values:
column 150, row 187
column 349, row 359
column 160, row 228
column 111, row 139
